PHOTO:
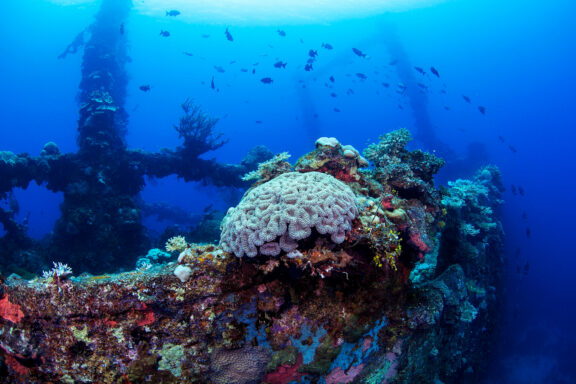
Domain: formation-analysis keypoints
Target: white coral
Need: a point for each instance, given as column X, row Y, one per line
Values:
column 273, row 216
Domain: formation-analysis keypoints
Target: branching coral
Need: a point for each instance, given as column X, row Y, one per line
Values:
column 270, row 169
column 197, row 130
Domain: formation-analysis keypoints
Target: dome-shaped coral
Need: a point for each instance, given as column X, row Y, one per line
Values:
column 273, row 216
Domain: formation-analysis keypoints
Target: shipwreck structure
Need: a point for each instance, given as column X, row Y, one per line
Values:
column 339, row 268
column 100, row 225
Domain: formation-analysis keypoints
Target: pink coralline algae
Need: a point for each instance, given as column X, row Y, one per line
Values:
column 10, row 311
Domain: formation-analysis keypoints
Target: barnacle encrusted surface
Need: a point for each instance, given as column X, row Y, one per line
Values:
column 273, row 216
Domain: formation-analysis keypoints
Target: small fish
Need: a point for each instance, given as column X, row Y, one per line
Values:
column 331, row 78
column 361, row 76
column 336, row 110
column 205, row 35
column 526, row 268
column 521, row 190
column 243, row 70
column 144, row 88
column 528, row 232
column 502, row 139
column 267, row 80
column 518, row 252
column 212, row 83
column 164, row 33
column 524, row 216
column 172, row 13
column 188, row 53
column 400, row 106
column 333, row 94
column 393, row 62
column 253, row 70
column 258, row 121
column 327, row 46
column 513, row 189
column 281, row 33
column 482, row 110
column 349, row 91
column 423, row 86
column 466, row 98
column 228, row 35
column 446, row 107
column 512, row 148
column 358, row 52
column 122, row 28
column 279, row 64
column 386, row 85
column 420, row 70
column 219, row 69
column 312, row 53
column 434, row 71
column 308, row 67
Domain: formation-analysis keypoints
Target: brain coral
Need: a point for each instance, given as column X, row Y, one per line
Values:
column 275, row 215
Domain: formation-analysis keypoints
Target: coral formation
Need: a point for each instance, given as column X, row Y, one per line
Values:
column 273, row 216
column 395, row 302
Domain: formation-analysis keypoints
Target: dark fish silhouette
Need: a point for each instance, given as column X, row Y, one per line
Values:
column 513, row 189
column 423, row 86
column 331, row 79
column 219, row 69
column 228, row 35
column 524, row 216
column 172, row 12
column 446, row 107
column 393, row 62
column 482, row 110
column 419, row 70
column 502, row 139
column 258, row 121
column 336, row 110
column 526, row 268
column 122, row 28
column 512, row 148
column 333, row 94
column 386, row 85
column 281, row 33
column 144, row 88
column 164, row 33
column 279, row 64
column 518, row 251
column 253, row 70
column 212, row 83
column 243, row 70
column 188, row 53
column 312, row 53
column 466, row 98
column 358, row 52
column 521, row 190
column 528, row 232
column 267, row 80
column 308, row 67
column 327, row 46
column 361, row 76
column 205, row 35
column 349, row 91
column 434, row 72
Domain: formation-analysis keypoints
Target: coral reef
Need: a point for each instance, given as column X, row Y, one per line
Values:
column 395, row 301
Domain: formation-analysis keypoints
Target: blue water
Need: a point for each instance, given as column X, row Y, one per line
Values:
column 515, row 58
